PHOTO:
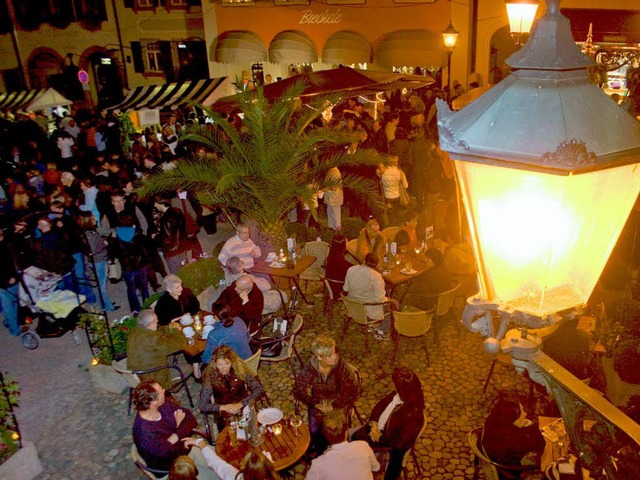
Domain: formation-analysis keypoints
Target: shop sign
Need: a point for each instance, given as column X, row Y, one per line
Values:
column 327, row 17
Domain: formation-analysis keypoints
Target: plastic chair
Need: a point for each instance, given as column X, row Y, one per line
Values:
column 329, row 299
column 357, row 313
column 444, row 301
column 493, row 470
column 412, row 323
column 132, row 378
column 315, row 272
column 411, row 453
column 352, row 246
column 142, row 466
column 390, row 233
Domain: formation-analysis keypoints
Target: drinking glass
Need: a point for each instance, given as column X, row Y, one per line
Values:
column 295, row 421
column 277, row 428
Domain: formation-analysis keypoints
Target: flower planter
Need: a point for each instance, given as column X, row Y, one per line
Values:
column 22, row 465
column 618, row 391
column 104, row 377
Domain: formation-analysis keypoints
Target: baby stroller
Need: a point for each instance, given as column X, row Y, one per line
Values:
column 57, row 311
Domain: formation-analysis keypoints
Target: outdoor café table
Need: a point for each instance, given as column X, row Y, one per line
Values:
column 393, row 277
column 198, row 344
column 285, row 449
column 552, row 451
column 292, row 274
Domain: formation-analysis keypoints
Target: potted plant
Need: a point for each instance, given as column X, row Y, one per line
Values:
column 18, row 458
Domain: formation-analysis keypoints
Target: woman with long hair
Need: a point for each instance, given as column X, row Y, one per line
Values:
column 227, row 386
column 396, row 420
column 336, row 265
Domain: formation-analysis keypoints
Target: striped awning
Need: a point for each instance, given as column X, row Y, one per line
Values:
column 205, row 92
column 18, row 100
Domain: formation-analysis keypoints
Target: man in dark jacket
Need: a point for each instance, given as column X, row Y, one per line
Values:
column 246, row 301
column 9, row 287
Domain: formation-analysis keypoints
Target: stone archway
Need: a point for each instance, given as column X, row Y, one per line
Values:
column 501, row 47
column 105, row 76
column 43, row 67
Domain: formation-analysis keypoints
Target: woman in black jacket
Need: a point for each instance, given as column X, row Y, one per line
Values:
column 396, row 420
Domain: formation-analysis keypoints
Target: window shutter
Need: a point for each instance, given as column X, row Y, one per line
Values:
column 138, row 61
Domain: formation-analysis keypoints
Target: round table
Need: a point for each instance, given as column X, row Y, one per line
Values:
column 286, row 449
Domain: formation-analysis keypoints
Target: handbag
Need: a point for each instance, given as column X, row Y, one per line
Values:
column 114, row 270
column 404, row 196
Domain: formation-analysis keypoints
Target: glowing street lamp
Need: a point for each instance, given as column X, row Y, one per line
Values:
column 450, row 39
column 548, row 168
column 521, row 16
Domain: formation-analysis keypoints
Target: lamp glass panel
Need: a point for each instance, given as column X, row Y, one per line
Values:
column 521, row 16
column 541, row 241
column 450, row 39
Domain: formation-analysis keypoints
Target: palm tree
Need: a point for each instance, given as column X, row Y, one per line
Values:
column 276, row 159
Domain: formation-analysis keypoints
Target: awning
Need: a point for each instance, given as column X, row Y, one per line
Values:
column 240, row 47
column 18, row 100
column 346, row 48
column 292, row 47
column 346, row 81
column 49, row 99
column 417, row 48
column 205, row 92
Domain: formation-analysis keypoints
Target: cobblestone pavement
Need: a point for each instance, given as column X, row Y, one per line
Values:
column 82, row 433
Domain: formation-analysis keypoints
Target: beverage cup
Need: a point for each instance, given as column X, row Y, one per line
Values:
column 233, row 434
column 277, row 428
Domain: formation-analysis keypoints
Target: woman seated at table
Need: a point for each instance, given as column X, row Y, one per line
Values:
column 227, row 386
column 396, row 420
column 254, row 466
column 336, row 264
column 272, row 298
column 509, row 437
column 229, row 331
column 175, row 302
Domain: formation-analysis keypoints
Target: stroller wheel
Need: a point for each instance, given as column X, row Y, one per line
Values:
column 30, row 340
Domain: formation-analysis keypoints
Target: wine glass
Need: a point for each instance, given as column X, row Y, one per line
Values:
column 295, row 421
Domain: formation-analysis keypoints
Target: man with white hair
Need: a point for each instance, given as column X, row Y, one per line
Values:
column 147, row 347
column 241, row 246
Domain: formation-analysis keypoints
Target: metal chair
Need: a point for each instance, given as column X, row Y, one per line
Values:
column 132, row 378
column 315, row 272
column 357, row 313
column 352, row 246
column 411, row 453
column 288, row 343
column 390, row 233
column 329, row 298
column 412, row 323
column 493, row 470
column 148, row 472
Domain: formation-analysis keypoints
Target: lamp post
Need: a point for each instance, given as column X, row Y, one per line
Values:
column 521, row 14
column 548, row 169
column 450, row 38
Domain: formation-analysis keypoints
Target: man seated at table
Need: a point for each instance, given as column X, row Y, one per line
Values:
column 344, row 460
column 324, row 384
column 246, row 301
column 371, row 239
column 160, row 427
column 365, row 284
column 147, row 347
column 272, row 298
column 569, row 346
column 437, row 279
column 241, row 246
